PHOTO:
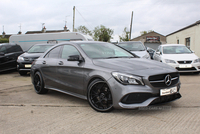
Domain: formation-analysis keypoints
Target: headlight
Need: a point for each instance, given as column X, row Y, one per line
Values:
column 169, row 61
column 197, row 60
column 127, row 78
column 20, row 58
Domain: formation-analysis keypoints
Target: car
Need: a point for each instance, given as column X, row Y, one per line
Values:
column 105, row 75
column 135, row 47
column 151, row 52
column 25, row 60
column 179, row 57
column 8, row 56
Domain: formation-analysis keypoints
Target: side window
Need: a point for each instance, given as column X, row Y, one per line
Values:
column 18, row 48
column 3, row 49
column 69, row 50
column 10, row 49
column 54, row 53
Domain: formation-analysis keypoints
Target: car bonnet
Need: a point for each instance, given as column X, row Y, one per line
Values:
column 134, row 66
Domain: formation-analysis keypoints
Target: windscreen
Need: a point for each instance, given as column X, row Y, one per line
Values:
column 104, row 50
column 39, row 48
column 132, row 46
column 176, row 50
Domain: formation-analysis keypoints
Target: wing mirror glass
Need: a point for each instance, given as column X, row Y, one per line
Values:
column 75, row 58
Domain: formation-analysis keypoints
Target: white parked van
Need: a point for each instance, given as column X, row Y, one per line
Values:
column 28, row 40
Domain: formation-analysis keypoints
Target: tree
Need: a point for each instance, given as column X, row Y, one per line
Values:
column 125, row 35
column 84, row 30
column 4, row 40
column 102, row 33
column 145, row 32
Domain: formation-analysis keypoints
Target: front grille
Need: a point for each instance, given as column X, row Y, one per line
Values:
column 167, row 98
column 30, row 58
column 159, row 80
column 185, row 69
column 184, row 62
column 136, row 98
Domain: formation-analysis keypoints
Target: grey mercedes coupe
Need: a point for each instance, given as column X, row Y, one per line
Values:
column 106, row 75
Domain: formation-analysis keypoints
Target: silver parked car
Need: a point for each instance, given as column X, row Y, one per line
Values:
column 105, row 75
column 178, row 56
column 136, row 47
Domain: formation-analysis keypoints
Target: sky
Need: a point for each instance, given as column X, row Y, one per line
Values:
column 161, row 16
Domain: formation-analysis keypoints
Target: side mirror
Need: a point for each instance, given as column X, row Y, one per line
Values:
column 158, row 53
column 2, row 53
column 75, row 58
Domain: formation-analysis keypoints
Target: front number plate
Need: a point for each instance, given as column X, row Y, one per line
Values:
column 185, row 66
column 28, row 66
column 168, row 91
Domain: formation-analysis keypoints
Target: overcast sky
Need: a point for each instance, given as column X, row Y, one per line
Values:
column 161, row 16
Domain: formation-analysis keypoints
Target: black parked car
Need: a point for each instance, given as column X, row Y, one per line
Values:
column 25, row 60
column 8, row 56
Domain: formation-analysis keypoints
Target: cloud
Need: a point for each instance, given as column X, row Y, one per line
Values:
column 162, row 16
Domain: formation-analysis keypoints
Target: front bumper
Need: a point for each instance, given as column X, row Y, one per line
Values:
column 24, row 66
column 135, row 96
column 193, row 67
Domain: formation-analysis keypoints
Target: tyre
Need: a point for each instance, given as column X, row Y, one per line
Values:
column 99, row 96
column 22, row 72
column 39, row 84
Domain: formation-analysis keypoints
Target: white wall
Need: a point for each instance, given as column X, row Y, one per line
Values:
column 193, row 33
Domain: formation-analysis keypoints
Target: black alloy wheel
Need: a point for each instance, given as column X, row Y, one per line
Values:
column 99, row 96
column 39, row 84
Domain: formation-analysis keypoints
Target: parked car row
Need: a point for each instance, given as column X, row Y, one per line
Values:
column 176, row 55
column 109, row 76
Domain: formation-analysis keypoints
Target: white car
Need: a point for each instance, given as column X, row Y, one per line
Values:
column 178, row 56
column 135, row 47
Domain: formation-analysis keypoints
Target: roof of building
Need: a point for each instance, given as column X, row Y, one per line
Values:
column 47, row 31
column 194, row 24
column 148, row 34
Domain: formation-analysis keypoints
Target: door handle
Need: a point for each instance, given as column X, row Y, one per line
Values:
column 60, row 63
column 44, row 62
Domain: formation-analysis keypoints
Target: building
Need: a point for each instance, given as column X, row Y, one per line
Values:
column 189, row 35
column 48, row 31
column 151, row 39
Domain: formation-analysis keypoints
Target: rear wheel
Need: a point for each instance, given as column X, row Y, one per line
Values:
column 99, row 96
column 39, row 84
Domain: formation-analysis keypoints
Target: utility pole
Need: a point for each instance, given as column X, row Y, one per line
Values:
column 73, row 17
column 131, row 26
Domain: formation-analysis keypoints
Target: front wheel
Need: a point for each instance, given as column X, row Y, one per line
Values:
column 99, row 96
column 39, row 84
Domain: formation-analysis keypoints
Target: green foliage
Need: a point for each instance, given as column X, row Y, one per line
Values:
column 4, row 40
column 102, row 34
column 84, row 30
column 145, row 32
column 125, row 35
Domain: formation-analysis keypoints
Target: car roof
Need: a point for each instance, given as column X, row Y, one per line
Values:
column 44, row 44
column 172, row 45
column 8, row 44
column 129, row 42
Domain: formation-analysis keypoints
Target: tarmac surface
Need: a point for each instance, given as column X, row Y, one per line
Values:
column 23, row 111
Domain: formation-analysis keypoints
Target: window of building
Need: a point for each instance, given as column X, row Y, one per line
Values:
column 177, row 41
column 187, row 42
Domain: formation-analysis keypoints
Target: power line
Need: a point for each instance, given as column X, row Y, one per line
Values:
column 83, row 17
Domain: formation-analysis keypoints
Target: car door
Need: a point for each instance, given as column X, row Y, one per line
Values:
column 70, row 73
column 48, row 66
column 11, row 56
column 6, row 58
